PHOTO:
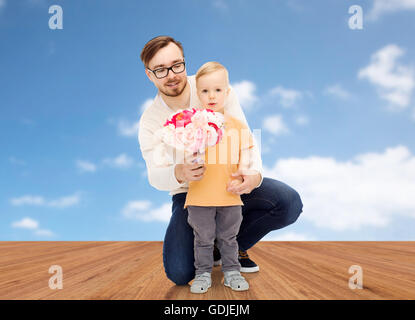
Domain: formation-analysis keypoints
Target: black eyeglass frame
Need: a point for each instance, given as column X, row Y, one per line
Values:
column 168, row 69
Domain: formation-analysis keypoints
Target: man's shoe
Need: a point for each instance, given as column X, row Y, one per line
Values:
column 247, row 265
column 216, row 257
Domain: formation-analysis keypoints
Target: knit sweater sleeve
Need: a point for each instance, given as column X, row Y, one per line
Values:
column 160, row 166
column 235, row 110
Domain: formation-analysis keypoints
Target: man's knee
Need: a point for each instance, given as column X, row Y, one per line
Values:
column 179, row 265
column 296, row 207
column 180, row 277
column 289, row 207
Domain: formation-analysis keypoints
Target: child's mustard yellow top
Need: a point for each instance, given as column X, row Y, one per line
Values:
column 221, row 161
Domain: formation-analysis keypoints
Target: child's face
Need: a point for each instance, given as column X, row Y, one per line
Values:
column 212, row 90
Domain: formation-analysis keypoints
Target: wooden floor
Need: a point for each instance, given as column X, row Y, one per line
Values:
column 134, row 270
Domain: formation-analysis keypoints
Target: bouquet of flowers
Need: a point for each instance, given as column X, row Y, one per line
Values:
column 192, row 130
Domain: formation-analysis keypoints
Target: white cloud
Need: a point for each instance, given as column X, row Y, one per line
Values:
column 288, row 236
column 140, row 210
column 287, row 97
column 122, row 161
column 128, row 129
column 265, row 148
column 30, row 200
column 64, row 202
column 338, row 91
column 26, row 223
column 367, row 191
column 394, row 82
column 31, row 224
column 86, row 166
column 44, row 232
column 2, row 4
column 275, row 125
column 302, row 120
column 381, row 7
column 245, row 91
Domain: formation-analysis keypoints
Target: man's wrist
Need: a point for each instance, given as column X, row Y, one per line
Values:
column 260, row 178
column 257, row 177
column 177, row 174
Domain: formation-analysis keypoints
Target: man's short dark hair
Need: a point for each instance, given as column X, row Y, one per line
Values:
column 154, row 45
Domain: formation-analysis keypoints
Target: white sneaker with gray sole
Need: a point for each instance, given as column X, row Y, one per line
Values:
column 201, row 283
column 235, row 281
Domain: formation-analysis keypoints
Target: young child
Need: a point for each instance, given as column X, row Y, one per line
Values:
column 213, row 211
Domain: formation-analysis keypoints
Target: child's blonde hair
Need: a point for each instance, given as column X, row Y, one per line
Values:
column 210, row 67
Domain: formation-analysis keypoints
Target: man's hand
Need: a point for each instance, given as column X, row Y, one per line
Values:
column 192, row 170
column 250, row 178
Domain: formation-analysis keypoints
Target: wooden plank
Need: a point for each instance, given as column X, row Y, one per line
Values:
column 134, row 270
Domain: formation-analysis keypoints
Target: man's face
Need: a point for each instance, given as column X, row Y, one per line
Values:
column 174, row 84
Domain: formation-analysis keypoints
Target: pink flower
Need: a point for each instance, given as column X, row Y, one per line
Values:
column 193, row 129
column 181, row 119
column 218, row 131
column 200, row 138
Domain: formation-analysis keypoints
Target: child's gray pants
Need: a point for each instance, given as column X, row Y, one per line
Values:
column 221, row 223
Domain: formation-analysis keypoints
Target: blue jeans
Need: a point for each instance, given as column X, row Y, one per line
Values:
column 271, row 206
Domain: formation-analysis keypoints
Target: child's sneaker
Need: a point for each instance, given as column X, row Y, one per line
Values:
column 235, row 281
column 201, row 283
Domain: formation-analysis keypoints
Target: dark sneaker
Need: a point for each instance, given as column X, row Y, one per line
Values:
column 247, row 265
column 216, row 257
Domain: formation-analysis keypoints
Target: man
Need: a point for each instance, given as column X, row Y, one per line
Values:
column 268, row 204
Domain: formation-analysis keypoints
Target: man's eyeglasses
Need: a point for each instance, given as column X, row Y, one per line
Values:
column 163, row 72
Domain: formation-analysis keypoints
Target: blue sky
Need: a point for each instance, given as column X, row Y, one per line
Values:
column 335, row 107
